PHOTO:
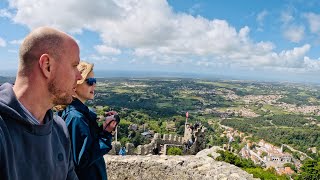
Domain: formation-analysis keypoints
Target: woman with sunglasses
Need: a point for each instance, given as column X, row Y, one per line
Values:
column 89, row 141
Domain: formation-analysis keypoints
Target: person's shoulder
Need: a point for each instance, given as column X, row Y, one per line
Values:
column 58, row 119
column 2, row 122
column 2, row 137
column 76, row 118
column 61, row 124
column 73, row 113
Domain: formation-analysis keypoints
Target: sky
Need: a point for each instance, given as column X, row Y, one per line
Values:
column 244, row 39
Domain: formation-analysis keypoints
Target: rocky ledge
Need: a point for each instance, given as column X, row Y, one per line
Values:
column 163, row 167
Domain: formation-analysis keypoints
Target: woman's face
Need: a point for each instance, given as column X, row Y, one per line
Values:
column 85, row 91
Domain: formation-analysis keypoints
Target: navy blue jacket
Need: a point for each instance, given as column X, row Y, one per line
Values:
column 30, row 151
column 89, row 141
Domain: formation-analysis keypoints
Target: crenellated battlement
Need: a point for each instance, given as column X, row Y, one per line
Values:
column 150, row 148
column 160, row 143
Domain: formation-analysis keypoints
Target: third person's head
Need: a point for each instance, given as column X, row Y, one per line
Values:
column 87, row 84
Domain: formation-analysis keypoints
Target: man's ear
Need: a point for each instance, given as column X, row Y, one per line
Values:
column 45, row 65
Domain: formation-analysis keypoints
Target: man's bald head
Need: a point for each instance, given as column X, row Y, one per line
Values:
column 41, row 41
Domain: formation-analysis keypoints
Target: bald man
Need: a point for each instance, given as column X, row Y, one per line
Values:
column 34, row 144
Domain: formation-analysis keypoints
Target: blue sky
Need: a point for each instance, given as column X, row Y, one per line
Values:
column 251, row 39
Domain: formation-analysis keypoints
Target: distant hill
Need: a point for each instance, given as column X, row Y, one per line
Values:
column 7, row 79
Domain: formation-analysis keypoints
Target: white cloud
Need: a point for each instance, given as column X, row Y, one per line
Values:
column 5, row 13
column 286, row 17
column 314, row 22
column 101, row 59
column 195, row 8
column 103, row 49
column 261, row 16
column 14, row 51
column 311, row 64
column 294, row 57
column 2, row 42
column 16, row 42
column 71, row 15
column 152, row 30
column 291, row 30
column 294, row 33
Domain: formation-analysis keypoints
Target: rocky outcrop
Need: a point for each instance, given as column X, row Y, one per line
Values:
column 164, row 167
column 212, row 152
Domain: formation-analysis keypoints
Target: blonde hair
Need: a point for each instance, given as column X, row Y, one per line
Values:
column 58, row 108
column 85, row 68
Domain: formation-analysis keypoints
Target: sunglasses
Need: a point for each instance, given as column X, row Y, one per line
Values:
column 91, row 81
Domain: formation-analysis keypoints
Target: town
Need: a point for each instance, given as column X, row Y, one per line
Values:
column 275, row 125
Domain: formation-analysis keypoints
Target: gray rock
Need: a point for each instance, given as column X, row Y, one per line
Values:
column 212, row 151
column 163, row 167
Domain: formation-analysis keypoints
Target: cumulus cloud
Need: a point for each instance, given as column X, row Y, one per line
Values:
column 71, row 15
column 195, row 8
column 291, row 30
column 311, row 64
column 13, row 51
column 5, row 13
column 285, row 59
column 101, row 59
column 2, row 42
column 103, row 49
column 293, row 58
column 286, row 17
column 16, row 42
column 152, row 30
column 261, row 16
column 294, row 33
column 314, row 22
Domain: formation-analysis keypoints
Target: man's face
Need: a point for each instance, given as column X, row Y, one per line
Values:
column 64, row 81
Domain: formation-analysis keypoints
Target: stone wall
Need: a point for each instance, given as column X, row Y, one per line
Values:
column 187, row 132
column 147, row 148
column 115, row 148
column 156, row 142
column 159, row 139
column 199, row 143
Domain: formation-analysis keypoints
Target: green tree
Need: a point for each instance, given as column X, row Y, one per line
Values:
column 137, row 139
column 310, row 170
column 174, row 151
column 231, row 158
column 180, row 130
column 265, row 174
column 124, row 140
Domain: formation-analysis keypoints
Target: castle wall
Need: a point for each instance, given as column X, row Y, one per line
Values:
column 155, row 143
column 165, row 139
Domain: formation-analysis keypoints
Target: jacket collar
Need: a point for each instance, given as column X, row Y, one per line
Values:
column 11, row 108
column 79, row 106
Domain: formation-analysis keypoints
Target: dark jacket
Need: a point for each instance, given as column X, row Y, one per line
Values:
column 89, row 141
column 29, row 151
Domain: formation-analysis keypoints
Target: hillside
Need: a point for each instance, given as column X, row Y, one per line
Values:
column 286, row 112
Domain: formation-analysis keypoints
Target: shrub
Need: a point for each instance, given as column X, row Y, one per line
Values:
column 174, row 151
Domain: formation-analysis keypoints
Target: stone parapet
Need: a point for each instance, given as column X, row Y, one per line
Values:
column 115, row 148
